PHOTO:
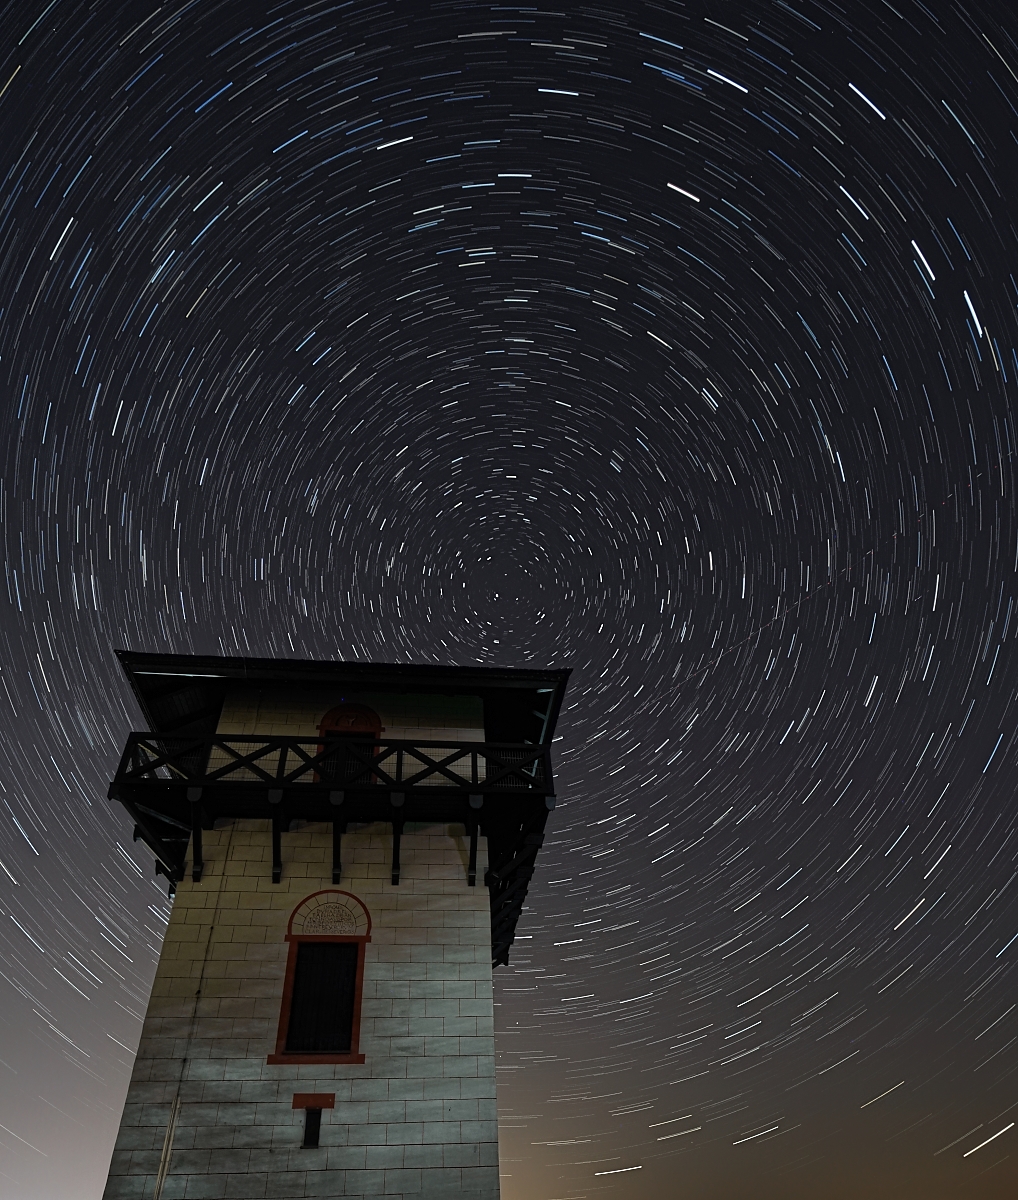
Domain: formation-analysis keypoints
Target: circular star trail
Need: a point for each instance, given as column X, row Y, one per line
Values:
column 673, row 343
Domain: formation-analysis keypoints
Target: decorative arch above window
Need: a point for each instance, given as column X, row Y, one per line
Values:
column 351, row 720
column 331, row 913
column 319, row 1018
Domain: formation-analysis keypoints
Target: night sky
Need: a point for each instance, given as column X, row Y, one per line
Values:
column 675, row 343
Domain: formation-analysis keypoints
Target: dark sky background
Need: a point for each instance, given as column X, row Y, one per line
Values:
column 671, row 342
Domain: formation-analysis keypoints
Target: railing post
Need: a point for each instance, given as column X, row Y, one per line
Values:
column 207, row 756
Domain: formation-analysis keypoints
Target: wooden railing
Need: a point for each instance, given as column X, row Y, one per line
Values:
column 338, row 764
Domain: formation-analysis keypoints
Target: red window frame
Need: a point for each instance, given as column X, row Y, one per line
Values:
column 360, row 714
column 353, row 1057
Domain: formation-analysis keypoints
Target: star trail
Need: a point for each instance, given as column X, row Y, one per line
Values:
column 672, row 342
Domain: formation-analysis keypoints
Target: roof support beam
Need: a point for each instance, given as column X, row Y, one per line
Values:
column 197, row 855
column 277, row 847
column 337, row 851
column 472, row 865
column 397, row 833
column 197, row 821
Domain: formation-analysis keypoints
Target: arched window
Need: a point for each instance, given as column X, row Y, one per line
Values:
column 319, row 1018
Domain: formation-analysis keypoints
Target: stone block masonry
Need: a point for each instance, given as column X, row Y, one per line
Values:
column 416, row 1120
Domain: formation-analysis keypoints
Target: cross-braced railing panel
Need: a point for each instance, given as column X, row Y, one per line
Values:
column 340, row 763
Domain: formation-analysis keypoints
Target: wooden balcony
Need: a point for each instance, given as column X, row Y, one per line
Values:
column 176, row 785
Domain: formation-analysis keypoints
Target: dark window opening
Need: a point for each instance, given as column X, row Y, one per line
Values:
column 312, row 1128
column 322, row 999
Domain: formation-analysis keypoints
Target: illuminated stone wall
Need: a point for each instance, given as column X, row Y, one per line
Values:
column 416, row 1120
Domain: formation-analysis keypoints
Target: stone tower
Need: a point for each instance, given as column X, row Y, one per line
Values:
column 321, row 1020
